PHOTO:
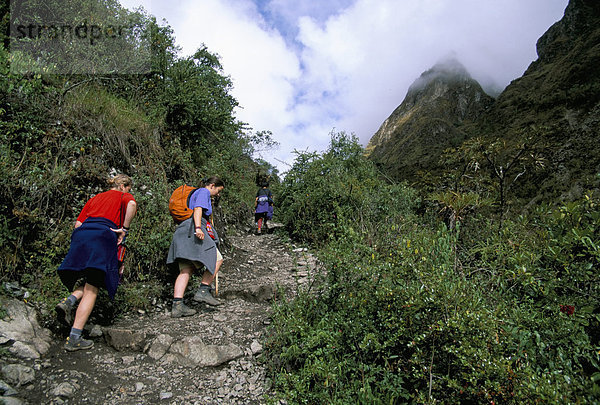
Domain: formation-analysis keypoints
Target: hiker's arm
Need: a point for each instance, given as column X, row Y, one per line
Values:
column 198, row 222
column 129, row 213
column 124, row 229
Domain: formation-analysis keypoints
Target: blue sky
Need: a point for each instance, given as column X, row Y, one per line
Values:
column 303, row 68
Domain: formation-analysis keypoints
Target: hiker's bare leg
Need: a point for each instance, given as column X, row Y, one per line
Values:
column 88, row 300
column 78, row 292
column 182, row 281
column 208, row 278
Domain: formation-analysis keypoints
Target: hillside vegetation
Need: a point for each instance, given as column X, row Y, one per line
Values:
column 63, row 134
column 551, row 113
column 434, row 301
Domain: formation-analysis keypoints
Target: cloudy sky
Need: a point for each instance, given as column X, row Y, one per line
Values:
column 305, row 68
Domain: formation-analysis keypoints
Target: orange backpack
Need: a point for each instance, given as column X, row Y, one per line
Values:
column 178, row 203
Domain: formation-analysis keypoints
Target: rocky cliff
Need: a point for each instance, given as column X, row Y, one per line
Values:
column 558, row 95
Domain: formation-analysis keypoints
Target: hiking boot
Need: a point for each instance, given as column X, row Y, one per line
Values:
column 72, row 345
column 203, row 295
column 64, row 312
column 180, row 310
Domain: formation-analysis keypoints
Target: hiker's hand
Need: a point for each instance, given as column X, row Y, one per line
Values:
column 121, row 234
column 199, row 234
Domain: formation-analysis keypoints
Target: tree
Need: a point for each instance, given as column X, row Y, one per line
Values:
column 494, row 167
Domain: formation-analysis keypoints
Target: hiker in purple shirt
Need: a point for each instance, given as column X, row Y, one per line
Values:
column 263, row 206
column 194, row 246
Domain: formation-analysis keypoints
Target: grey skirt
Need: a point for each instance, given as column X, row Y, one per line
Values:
column 185, row 245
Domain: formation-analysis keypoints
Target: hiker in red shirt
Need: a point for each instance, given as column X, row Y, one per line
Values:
column 92, row 262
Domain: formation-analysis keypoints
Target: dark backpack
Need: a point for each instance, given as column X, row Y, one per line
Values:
column 264, row 195
column 179, row 203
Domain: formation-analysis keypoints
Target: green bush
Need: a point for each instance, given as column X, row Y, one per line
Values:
column 324, row 192
column 407, row 310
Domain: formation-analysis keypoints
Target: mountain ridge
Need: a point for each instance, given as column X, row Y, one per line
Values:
column 557, row 98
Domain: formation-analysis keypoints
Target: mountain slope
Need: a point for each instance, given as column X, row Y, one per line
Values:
column 557, row 99
column 438, row 108
column 560, row 95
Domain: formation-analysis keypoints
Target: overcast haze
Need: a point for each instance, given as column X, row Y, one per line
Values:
column 303, row 68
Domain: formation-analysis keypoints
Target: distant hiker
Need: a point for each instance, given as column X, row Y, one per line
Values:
column 194, row 246
column 91, row 262
column 263, row 206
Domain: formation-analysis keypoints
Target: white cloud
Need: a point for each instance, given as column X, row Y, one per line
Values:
column 260, row 65
column 301, row 68
column 369, row 55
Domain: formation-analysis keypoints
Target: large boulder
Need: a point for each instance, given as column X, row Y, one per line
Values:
column 21, row 332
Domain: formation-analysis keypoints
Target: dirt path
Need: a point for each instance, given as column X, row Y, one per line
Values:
column 153, row 358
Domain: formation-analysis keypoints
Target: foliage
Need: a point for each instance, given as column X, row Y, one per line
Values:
column 411, row 311
column 197, row 102
column 492, row 168
column 78, row 37
column 455, row 205
column 68, row 126
column 321, row 193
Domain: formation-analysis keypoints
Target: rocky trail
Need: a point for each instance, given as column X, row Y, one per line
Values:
column 212, row 357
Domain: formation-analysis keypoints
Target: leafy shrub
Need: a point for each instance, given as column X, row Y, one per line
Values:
column 411, row 311
column 323, row 191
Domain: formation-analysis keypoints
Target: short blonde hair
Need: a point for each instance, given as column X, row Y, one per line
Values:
column 120, row 179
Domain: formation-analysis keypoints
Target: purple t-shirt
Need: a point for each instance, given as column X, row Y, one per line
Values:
column 263, row 200
column 201, row 198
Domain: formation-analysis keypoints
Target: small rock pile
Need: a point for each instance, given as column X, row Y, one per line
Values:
column 212, row 357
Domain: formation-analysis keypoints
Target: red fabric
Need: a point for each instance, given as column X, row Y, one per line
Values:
column 111, row 204
column 210, row 230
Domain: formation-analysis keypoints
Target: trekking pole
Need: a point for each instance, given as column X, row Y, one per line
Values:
column 217, row 285
column 216, row 275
